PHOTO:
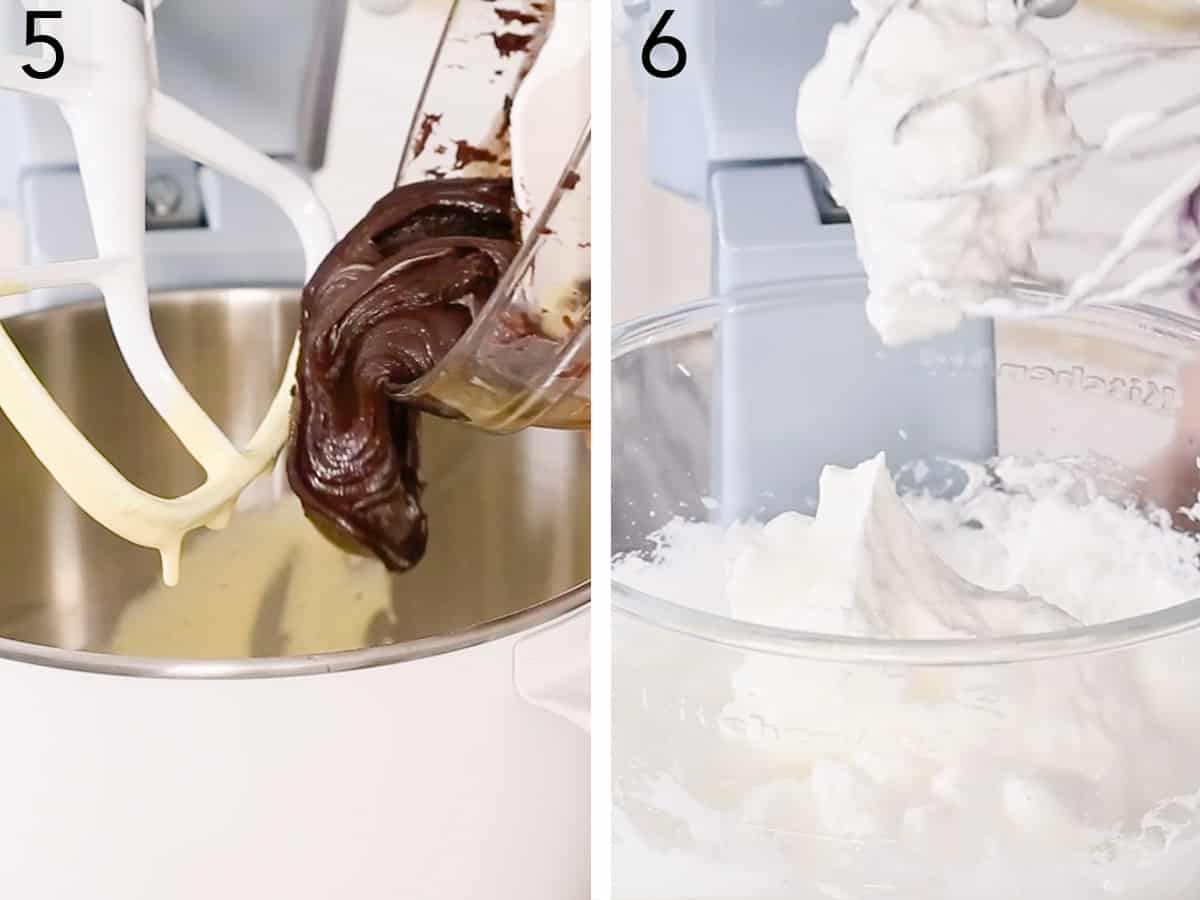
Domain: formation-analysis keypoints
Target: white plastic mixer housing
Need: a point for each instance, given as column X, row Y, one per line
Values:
column 108, row 91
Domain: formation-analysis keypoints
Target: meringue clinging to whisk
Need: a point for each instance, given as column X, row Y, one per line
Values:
column 897, row 163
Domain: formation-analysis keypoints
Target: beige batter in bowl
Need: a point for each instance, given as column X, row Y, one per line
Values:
column 509, row 516
column 1180, row 15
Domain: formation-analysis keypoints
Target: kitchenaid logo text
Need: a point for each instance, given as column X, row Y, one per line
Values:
column 1124, row 389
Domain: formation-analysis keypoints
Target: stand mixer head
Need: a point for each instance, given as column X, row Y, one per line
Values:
column 722, row 134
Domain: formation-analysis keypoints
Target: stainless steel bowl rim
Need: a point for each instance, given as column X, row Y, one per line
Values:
column 569, row 603
column 748, row 636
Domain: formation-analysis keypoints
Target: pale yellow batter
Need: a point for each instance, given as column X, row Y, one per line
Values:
column 510, row 519
column 267, row 585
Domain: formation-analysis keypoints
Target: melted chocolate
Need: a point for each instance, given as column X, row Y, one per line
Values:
column 466, row 154
column 424, row 132
column 384, row 308
column 509, row 43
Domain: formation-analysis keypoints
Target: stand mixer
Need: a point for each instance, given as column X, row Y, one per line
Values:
column 722, row 134
column 230, row 751
column 763, row 756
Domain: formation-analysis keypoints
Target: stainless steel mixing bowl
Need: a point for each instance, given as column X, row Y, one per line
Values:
column 509, row 516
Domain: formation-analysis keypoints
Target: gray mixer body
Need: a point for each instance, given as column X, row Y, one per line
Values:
column 263, row 71
column 722, row 132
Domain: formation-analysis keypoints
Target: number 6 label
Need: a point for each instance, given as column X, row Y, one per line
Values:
column 658, row 39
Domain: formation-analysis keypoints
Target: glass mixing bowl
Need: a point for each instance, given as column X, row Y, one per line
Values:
column 510, row 370
column 757, row 762
column 526, row 359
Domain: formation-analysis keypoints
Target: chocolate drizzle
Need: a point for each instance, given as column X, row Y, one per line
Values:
column 466, row 154
column 424, row 131
column 508, row 43
column 384, row 308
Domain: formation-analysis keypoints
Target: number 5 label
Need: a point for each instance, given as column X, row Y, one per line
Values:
column 32, row 38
